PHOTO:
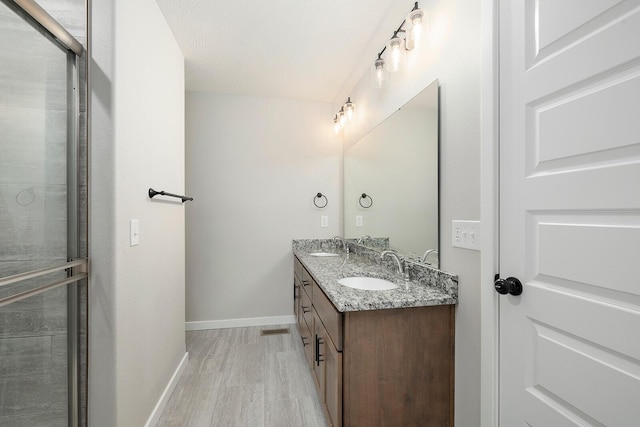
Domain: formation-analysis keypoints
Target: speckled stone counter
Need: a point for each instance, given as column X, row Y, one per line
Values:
column 428, row 286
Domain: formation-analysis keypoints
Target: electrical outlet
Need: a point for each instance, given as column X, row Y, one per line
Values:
column 134, row 232
column 465, row 234
column 358, row 220
column 324, row 221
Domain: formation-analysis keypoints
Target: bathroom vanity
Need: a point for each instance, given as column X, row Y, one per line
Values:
column 377, row 357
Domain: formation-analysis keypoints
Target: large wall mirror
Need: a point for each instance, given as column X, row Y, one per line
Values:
column 391, row 181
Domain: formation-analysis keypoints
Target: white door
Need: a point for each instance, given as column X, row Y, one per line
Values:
column 570, row 212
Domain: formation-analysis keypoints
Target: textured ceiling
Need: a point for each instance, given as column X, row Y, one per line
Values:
column 296, row 49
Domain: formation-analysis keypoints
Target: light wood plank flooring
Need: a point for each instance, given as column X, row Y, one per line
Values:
column 237, row 377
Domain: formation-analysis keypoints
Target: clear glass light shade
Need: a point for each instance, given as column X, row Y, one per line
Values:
column 336, row 124
column 379, row 72
column 395, row 54
column 415, row 32
column 342, row 118
column 349, row 109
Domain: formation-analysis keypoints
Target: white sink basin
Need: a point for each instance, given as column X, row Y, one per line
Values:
column 367, row 283
column 324, row 254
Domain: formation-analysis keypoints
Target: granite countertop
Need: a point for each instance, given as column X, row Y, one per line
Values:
column 433, row 288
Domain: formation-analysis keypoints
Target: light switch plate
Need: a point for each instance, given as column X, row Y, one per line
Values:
column 324, row 221
column 134, row 232
column 358, row 220
column 465, row 234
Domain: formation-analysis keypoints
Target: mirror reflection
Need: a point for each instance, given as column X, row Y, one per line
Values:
column 391, row 182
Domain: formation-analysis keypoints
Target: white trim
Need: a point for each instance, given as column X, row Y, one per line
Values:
column 239, row 323
column 489, row 206
column 168, row 390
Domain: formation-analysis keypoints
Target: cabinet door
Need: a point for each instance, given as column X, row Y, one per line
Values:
column 332, row 382
column 328, row 374
column 307, row 341
column 319, row 365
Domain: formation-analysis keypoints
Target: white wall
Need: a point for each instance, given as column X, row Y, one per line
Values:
column 136, row 297
column 454, row 58
column 254, row 166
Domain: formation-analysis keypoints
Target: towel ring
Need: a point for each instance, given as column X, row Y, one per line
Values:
column 364, row 197
column 320, row 196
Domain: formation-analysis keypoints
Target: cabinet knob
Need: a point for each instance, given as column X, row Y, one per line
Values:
column 306, row 309
column 304, row 343
column 305, row 282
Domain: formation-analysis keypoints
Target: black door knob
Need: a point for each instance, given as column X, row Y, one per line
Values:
column 510, row 285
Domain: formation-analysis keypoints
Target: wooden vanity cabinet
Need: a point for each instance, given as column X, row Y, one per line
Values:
column 379, row 367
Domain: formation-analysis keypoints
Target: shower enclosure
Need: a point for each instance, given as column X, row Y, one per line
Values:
column 43, row 212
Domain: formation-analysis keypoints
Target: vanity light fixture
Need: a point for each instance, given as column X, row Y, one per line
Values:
column 397, row 46
column 345, row 115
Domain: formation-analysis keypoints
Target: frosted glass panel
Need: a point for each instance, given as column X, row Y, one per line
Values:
column 33, row 223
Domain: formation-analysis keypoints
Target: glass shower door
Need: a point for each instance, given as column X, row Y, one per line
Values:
column 39, row 270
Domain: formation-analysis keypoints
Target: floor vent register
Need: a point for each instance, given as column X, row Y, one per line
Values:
column 274, row 331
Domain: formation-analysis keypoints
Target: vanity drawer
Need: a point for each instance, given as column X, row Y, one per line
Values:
column 297, row 268
column 307, row 288
column 330, row 317
column 307, row 341
column 306, row 308
column 307, row 282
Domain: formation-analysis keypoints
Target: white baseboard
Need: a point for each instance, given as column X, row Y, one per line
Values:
column 239, row 323
column 166, row 394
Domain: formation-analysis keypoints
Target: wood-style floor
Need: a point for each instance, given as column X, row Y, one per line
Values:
column 238, row 377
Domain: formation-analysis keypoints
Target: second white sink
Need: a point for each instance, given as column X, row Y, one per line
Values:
column 324, row 254
column 367, row 283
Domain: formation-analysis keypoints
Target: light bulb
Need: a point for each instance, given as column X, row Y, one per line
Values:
column 415, row 19
column 341, row 117
column 349, row 109
column 395, row 47
column 336, row 124
column 379, row 72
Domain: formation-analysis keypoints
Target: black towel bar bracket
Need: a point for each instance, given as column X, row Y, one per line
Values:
column 153, row 193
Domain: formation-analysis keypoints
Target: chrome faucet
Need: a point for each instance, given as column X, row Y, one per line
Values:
column 402, row 265
column 395, row 257
column 345, row 248
column 426, row 254
column 363, row 238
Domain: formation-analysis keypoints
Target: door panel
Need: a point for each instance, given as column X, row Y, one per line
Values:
column 594, row 241
column 554, row 25
column 576, row 373
column 591, row 115
column 570, row 212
